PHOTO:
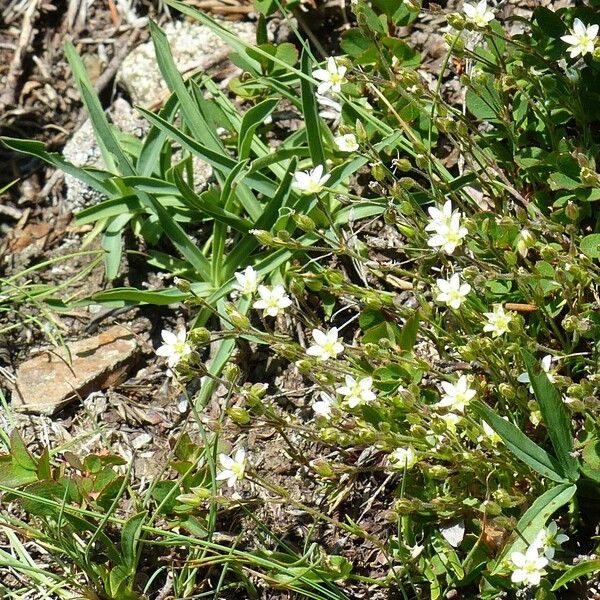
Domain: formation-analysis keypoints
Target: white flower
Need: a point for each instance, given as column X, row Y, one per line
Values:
column 445, row 224
column 452, row 291
column 546, row 366
column 324, row 406
column 492, row 436
column 548, row 540
column 233, row 468
column 529, row 567
column 479, row 14
column 456, row 396
column 174, row 347
column 498, row 321
column 346, row 142
column 326, row 344
column 451, row 421
column 247, row 281
column 357, row 392
column 332, row 77
column 272, row 300
column 582, row 38
column 310, row 182
column 404, row 458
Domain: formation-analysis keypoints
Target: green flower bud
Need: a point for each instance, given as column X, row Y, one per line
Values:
column 507, row 391
column 182, row 285
column 589, row 178
column 264, row 237
column 304, row 366
column 548, row 253
column 378, row 171
column 456, row 20
column 323, row 468
column 490, row 508
column 402, row 164
column 199, row 336
column 232, row 373
column 405, row 506
column 361, row 132
column 239, row 320
column 238, row 415
column 439, row 472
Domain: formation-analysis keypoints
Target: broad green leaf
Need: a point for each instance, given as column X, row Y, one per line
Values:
column 520, row 445
column 535, row 517
column 19, row 453
column 130, row 535
column 590, row 245
column 14, row 476
column 554, row 415
column 408, row 334
column 310, row 111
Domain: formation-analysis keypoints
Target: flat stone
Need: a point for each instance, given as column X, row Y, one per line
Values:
column 55, row 378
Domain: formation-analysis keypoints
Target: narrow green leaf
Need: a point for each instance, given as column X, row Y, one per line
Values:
column 520, row 445
column 112, row 243
column 310, row 110
column 111, row 150
column 252, row 119
column 576, row 571
column 191, row 114
column 554, row 415
column 218, row 160
column 535, row 517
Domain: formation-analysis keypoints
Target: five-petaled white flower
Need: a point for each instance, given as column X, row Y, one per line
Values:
column 247, row 281
column 346, row 142
column 331, row 78
column 479, row 14
column 445, row 223
column 357, row 392
column 272, row 300
column 546, row 366
column 456, row 396
column 324, row 406
column 452, row 291
column 174, row 347
column 529, row 567
column 310, row 182
column 498, row 321
column 326, row 344
column 548, row 540
column 404, row 458
column 233, row 468
column 582, row 38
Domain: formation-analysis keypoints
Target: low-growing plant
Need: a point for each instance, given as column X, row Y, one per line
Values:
column 439, row 259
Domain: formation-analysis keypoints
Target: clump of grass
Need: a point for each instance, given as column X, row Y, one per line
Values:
column 443, row 314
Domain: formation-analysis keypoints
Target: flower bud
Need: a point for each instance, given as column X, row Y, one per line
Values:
column 304, row 222
column 439, row 472
column 264, row 237
column 361, row 132
column 507, row 391
column 571, row 209
column 323, row 468
column 182, row 285
column 456, row 20
column 402, row 164
column 199, row 335
column 378, row 171
column 491, row 508
column 239, row 321
column 304, row 366
column 548, row 253
column 232, row 373
column 238, row 415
